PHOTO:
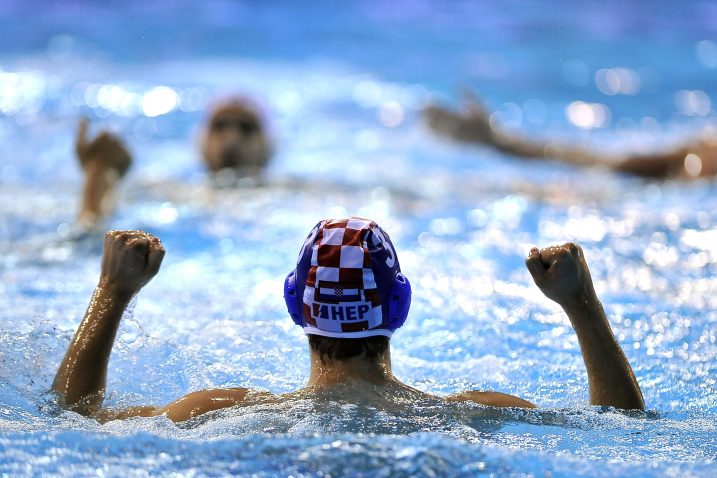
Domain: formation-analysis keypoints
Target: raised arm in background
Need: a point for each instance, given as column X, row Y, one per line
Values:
column 104, row 161
column 690, row 159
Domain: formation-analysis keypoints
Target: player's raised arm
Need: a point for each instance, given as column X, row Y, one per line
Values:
column 563, row 276
column 129, row 261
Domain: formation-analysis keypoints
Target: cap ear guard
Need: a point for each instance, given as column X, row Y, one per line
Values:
column 399, row 302
column 292, row 302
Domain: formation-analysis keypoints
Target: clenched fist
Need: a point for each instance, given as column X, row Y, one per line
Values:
column 561, row 273
column 130, row 260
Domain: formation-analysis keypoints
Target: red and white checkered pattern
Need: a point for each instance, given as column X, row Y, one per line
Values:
column 341, row 294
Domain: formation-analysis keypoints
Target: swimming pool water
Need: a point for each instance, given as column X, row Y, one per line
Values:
column 342, row 89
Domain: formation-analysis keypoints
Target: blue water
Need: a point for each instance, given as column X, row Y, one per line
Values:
column 342, row 88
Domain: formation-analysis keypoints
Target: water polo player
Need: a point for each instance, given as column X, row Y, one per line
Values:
column 234, row 143
column 348, row 295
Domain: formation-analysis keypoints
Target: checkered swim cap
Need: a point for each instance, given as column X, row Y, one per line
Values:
column 347, row 282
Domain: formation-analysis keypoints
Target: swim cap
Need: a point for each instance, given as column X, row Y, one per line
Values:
column 347, row 282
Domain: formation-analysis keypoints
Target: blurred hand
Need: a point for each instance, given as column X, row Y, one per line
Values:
column 130, row 260
column 105, row 152
column 471, row 124
column 561, row 273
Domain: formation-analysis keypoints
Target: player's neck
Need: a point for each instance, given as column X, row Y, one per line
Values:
column 335, row 372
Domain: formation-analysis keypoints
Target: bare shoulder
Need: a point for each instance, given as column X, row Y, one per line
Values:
column 492, row 399
column 191, row 405
column 203, row 401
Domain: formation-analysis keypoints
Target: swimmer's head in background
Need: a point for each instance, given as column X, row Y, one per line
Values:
column 347, row 282
column 235, row 138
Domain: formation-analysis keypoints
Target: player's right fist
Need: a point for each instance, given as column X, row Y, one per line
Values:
column 130, row 260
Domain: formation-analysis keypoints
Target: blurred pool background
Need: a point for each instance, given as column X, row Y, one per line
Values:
column 342, row 86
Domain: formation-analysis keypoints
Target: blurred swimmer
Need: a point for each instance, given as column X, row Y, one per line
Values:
column 234, row 141
column 104, row 161
column 692, row 159
column 348, row 295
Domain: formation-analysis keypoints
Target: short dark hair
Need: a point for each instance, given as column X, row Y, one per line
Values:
column 330, row 348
